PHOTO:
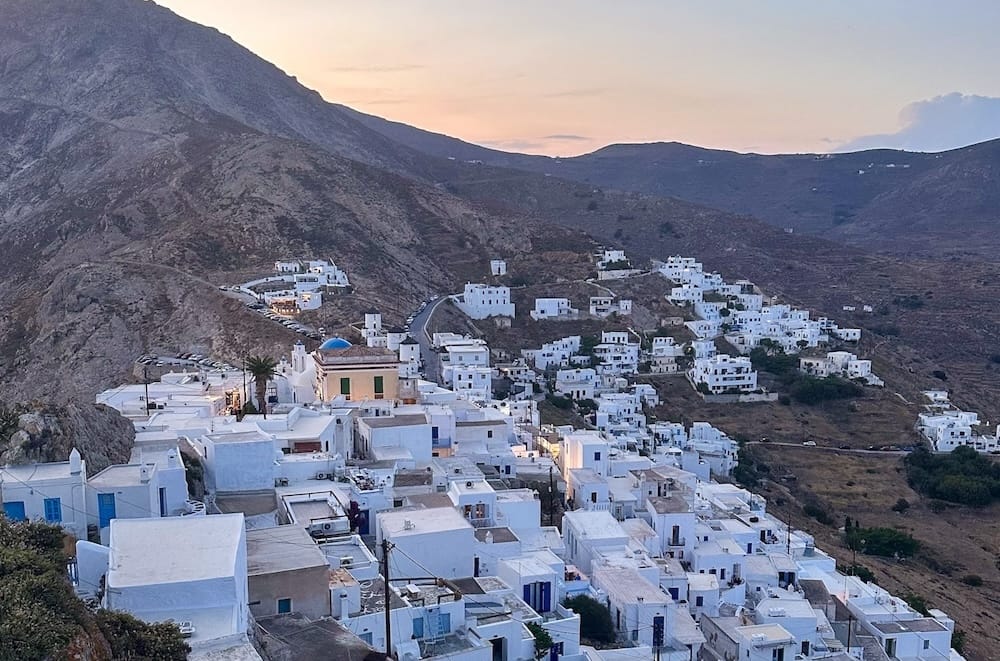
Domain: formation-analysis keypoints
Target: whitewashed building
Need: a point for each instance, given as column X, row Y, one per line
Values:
column 724, row 374
column 553, row 308
column 480, row 301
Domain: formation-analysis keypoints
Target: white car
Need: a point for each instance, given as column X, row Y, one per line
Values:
column 811, row 444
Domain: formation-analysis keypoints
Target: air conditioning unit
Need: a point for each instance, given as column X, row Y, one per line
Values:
column 346, row 560
column 408, row 525
column 322, row 476
column 281, row 482
column 468, row 485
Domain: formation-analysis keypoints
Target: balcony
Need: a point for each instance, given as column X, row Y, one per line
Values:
column 676, row 542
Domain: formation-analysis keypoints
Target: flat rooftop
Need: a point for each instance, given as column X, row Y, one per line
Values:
column 422, row 521
column 36, row 472
column 319, row 639
column 189, row 548
column 594, row 525
column 406, row 420
column 500, row 535
column 118, row 475
column 239, row 437
column 627, row 585
column 312, row 510
column 281, row 549
column 669, row 505
column 922, row 625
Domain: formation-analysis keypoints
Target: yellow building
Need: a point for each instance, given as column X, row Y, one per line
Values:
column 355, row 373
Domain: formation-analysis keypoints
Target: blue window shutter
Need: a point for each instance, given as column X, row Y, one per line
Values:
column 418, row 627
column 546, row 597
column 53, row 510
column 14, row 510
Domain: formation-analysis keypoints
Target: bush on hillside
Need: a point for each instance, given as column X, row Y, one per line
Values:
column 962, row 476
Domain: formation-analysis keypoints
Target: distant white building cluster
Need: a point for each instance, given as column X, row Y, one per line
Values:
column 840, row 363
column 613, row 264
column 947, row 427
column 297, row 285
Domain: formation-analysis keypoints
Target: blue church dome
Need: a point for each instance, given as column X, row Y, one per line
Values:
column 335, row 343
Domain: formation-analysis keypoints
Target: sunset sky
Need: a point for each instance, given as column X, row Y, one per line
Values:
column 568, row 76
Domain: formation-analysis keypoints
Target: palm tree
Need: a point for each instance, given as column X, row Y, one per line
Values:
column 262, row 369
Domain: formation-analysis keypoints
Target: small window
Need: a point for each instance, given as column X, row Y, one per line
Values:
column 345, row 385
column 53, row 510
column 699, row 602
column 284, row 606
column 927, row 645
column 379, row 385
column 597, row 456
column 489, row 433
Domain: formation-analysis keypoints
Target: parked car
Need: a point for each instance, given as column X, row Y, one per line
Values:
column 809, row 443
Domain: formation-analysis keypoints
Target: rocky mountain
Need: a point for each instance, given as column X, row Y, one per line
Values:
column 145, row 159
column 887, row 200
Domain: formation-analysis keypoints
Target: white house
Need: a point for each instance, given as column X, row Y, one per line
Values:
column 191, row 570
column 578, row 383
column 51, row 492
column 723, row 373
column 480, row 301
column 553, row 308
column 498, row 267
column 665, row 352
column 840, row 363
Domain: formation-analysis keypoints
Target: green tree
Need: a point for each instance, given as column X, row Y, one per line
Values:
column 595, row 618
column 543, row 641
column 133, row 639
column 262, row 369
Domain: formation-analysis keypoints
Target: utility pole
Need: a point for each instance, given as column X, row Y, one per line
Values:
column 386, row 546
column 551, row 498
column 788, row 537
column 145, row 383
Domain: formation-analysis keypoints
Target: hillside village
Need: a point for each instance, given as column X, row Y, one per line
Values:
column 384, row 468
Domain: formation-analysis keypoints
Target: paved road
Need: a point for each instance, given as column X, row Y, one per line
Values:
column 418, row 329
column 826, row 448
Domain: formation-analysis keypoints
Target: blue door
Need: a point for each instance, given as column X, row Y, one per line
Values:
column 105, row 508
column 15, row 510
column 363, row 527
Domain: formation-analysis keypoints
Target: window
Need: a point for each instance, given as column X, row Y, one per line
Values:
column 418, row 627
column 805, row 647
column 53, row 510
column 345, row 385
column 890, row 647
column 284, row 606
column 927, row 644
column 597, row 456
column 14, row 510
column 489, row 433
column 379, row 387
column 163, row 500
column 366, row 636
column 699, row 602
column 778, row 654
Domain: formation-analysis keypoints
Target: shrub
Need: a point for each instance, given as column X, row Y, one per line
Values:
column 543, row 641
column 784, row 400
column 883, row 542
column 595, row 619
column 939, row 374
column 917, row 603
column 973, row 580
column 961, row 476
column 560, row 402
column 131, row 638
column 995, row 358
column 809, row 390
column 901, row 505
column 818, row 512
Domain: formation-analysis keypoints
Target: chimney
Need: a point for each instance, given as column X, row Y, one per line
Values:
column 75, row 462
column 145, row 472
column 172, row 458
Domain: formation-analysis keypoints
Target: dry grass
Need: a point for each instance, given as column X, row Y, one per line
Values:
column 955, row 543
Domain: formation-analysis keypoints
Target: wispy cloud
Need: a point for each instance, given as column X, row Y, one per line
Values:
column 514, row 144
column 375, row 68
column 566, row 136
column 937, row 124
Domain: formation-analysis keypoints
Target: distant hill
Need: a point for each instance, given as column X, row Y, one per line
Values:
column 887, row 200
